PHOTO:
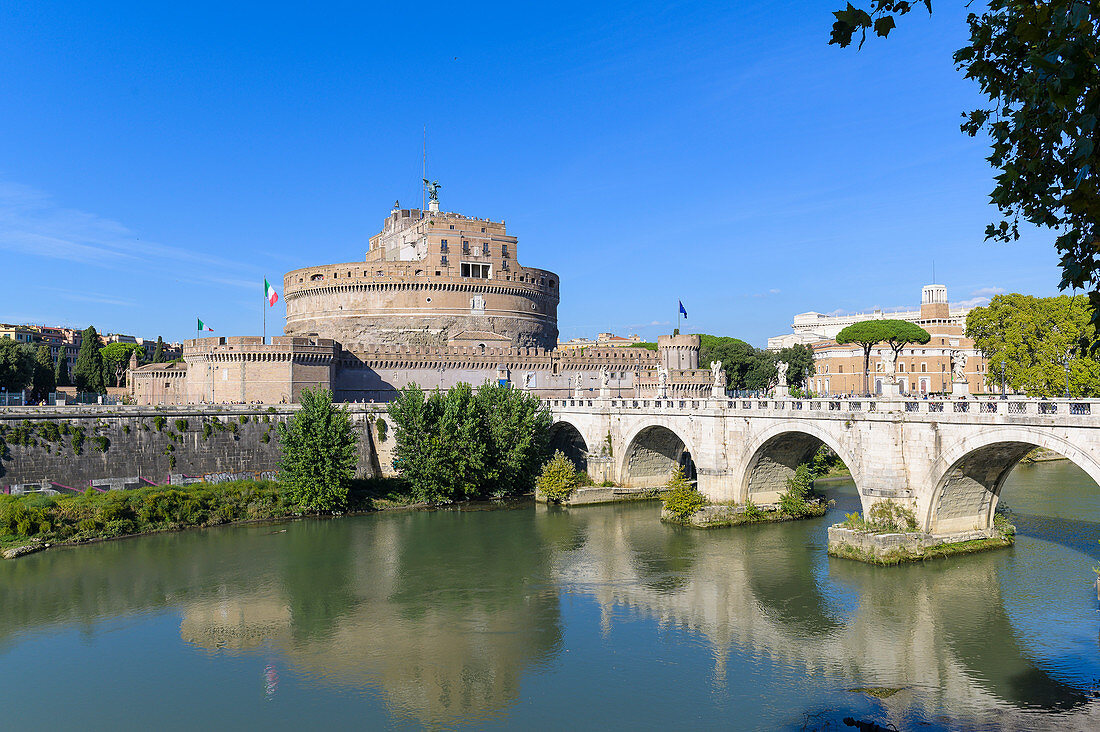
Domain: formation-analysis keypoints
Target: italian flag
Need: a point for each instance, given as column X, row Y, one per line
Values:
column 269, row 293
column 203, row 326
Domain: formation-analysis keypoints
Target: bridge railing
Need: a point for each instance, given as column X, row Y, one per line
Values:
column 972, row 405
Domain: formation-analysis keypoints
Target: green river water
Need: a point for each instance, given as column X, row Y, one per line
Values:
column 534, row 618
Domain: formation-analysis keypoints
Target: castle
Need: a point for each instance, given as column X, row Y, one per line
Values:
column 439, row 299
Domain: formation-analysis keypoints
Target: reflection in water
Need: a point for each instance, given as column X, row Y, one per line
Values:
column 492, row 618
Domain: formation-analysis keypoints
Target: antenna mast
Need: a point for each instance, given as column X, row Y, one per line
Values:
column 424, row 172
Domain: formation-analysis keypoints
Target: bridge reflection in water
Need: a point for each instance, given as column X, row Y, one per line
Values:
column 484, row 617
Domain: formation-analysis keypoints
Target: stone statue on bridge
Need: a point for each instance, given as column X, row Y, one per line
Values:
column 890, row 365
column 578, row 387
column 605, row 384
column 781, row 373
column 958, row 367
column 718, row 386
column 662, row 381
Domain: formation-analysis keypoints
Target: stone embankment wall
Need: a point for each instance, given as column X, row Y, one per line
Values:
column 67, row 449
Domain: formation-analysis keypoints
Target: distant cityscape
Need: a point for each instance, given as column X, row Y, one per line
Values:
column 58, row 338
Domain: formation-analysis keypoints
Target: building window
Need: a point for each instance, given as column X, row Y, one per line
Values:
column 923, row 368
column 482, row 229
column 443, row 246
column 452, row 226
column 901, row 368
column 442, row 261
column 473, row 269
column 839, row 369
column 465, row 247
column 316, row 277
column 485, row 250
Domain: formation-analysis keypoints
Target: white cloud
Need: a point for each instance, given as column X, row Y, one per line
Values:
column 973, row 302
column 987, row 291
column 33, row 224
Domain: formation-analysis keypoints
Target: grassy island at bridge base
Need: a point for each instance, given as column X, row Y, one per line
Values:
column 895, row 548
column 719, row 515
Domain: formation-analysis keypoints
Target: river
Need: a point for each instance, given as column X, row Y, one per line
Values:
column 535, row 618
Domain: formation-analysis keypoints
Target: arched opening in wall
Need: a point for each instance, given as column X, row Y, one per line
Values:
column 1029, row 479
column 568, row 439
column 652, row 455
column 778, row 458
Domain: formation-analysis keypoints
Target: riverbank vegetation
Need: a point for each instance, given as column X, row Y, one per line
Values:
column 467, row 443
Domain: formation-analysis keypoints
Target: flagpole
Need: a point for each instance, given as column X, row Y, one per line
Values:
column 264, row 307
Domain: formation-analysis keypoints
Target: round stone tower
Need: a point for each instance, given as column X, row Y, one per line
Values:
column 679, row 352
column 430, row 278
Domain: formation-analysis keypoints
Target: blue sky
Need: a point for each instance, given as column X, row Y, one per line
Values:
column 158, row 160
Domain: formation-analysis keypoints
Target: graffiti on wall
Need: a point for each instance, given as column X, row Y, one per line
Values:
column 229, row 477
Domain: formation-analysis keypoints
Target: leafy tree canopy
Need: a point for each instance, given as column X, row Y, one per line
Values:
column 1037, row 63
column 1032, row 336
column 116, row 359
column 88, row 369
column 16, row 365
column 463, row 444
column 897, row 333
column 800, row 362
column 61, row 368
column 320, row 450
column 44, row 381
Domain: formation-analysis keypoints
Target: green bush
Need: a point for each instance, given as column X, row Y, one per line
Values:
column 752, row 512
column 243, row 419
column 558, row 478
column 793, row 501
column 680, row 497
column 100, row 443
column 884, row 517
column 77, row 439
column 181, row 425
column 382, row 428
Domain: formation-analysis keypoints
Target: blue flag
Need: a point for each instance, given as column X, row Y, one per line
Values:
column 685, row 312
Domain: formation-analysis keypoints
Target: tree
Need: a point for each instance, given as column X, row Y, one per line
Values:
column 88, row 369
column 61, row 367
column 16, row 365
column 516, row 429
column 1036, row 338
column 158, row 353
column 800, row 364
column 43, row 380
column 320, row 451
column 462, row 444
column 116, row 359
column 737, row 357
column 1036, row 61
column 762, row 373
column 869, row 333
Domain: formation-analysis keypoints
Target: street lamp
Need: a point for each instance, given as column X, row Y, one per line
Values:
column 1002, row 378
column 1066, row 364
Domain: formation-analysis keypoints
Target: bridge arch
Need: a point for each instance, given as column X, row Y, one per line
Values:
column 968, row 475
column 566, row 437
column 774, row 453
column 652, row 451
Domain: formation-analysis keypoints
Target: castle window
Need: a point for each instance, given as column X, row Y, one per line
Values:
column 316, row 277
column 553, row 284
column 482, row 229
column 452, row 226
column 443, row 246
column 485, row 250
column 472, row 269
column 442, row 261
column 465, row 247
column 504, row 250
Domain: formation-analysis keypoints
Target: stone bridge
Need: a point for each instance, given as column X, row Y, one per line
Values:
column 946, row 459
